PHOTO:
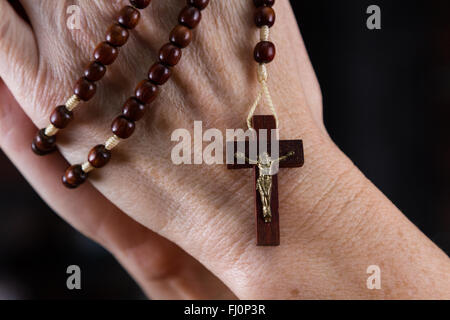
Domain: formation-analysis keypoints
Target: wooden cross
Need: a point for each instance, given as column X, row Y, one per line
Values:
column 291, row 154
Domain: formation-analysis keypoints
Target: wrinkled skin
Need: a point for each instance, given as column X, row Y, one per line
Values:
column 188, row 231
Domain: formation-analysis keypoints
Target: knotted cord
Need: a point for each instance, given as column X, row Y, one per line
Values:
column 264, row 89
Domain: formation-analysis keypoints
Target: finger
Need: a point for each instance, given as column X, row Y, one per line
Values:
column 162, row 269
column 18, row 49
column 309, row 82
column 292, row 54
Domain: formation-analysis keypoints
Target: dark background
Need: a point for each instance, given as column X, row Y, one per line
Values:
column 386, row 104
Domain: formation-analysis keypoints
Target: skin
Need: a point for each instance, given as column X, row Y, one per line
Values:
column 187, row 231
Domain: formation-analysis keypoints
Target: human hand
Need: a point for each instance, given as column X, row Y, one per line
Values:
column 334, row 223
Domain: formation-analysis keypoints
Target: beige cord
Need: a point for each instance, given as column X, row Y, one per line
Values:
column 110, row 144
column 262, row 79
column 51, row 130
column 264, row 33
column 73, row 102
column 87, row 167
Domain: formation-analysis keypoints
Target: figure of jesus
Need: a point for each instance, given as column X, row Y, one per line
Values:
column 264, row 182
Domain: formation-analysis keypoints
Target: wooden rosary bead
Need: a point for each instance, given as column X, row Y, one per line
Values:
column 122, row 127
column 105, row 53
column 267, row 3
column 99, row 156
column 94, row 71
column 74, row 176
column 133, row 109
column 264, row 52
column 190, row 17
column 181, row 36
column 117, row 35
column 264, row 16
column 199, row 4
column 146, row 91
column 129, row 17
column 140, row 4
column 159, row 73
column 85, row 89
column 61, row 117
column 170, row 55
column 43, row 144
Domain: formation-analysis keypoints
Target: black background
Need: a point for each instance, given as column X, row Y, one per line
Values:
column 386, row 105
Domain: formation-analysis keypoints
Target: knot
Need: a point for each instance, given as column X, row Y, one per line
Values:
column 87, row 167
column 262, row 73
column 112, row 142
column 264, row 33
column 51, row 130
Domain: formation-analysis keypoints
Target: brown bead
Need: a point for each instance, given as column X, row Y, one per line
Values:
column 94, row 71
column 122, row 127
column 267, row 3
column 264, row 16
column 43, row 144
column 181, row 36
column 99, row 156
column 85, row 89
column 170, row 55
column 61, row 117
column 133, row 109
column 199, row 4
column 140, row 4
column 117, row 35
column 129, row 17
column 264, row 52
column 105, row 53
column 146, row 91
column 74, row 176
column 159, row 73
column 190, row 17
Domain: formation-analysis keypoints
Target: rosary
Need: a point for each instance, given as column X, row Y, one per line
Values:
column 123, row 126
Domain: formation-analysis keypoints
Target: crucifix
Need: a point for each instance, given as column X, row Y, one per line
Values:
column 266, row 181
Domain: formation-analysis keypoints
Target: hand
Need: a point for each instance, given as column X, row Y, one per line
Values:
column 334, row 223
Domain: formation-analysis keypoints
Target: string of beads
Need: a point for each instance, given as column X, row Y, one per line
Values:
column 85, row 88
column 146, row 91
column 264, row 53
